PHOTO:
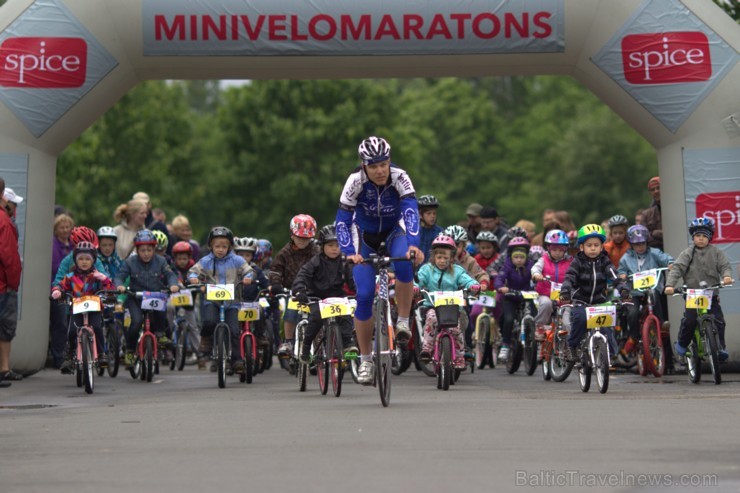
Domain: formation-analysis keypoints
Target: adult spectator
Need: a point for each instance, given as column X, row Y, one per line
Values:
column 152, row 222
column 527, row 226
column 491, row 221
column 473, row 224
column 131, row 217
column 60, row 244
column 566, row 223
column 183, row 232
column 653, row 215
column 10, row 279
column 548, row 216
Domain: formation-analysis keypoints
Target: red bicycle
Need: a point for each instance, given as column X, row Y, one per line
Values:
column 146, row 359
column 650, row 353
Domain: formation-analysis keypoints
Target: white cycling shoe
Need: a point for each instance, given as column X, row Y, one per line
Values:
column 366, row 373
column 403, row 332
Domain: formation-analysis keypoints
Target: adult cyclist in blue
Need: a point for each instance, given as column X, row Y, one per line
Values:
column 378, row 204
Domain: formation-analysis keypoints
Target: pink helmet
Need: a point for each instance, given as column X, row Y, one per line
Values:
column 444, row 241
column 303, row 226
column 517, row 243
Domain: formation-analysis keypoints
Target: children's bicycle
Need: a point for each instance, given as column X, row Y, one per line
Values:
column 146, row 358
column 219, row 294
column 384, row 350
column 594, row 349
column 113, row 334
column 183, row 300
column 557, row 358
column 705, row 343
column 650, row 354
column 524, row 346
column 487, row 336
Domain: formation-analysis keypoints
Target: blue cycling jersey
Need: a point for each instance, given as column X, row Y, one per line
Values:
column 377, row 209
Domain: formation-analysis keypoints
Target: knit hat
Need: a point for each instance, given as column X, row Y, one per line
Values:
column 655, row 180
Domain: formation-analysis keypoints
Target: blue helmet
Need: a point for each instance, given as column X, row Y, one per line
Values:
column 144, row 237
column 637, row 234
column 702, row 225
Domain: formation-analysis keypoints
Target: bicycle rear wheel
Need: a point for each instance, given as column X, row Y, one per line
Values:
column 602, row 366
column 382, row 354
column 336, row 359
column 88, row 364
column 529, row 352
column 113, row 346
column 221, row 352
column 711, row 346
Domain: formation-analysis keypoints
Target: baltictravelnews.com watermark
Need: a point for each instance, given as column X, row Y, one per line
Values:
column 574, row 478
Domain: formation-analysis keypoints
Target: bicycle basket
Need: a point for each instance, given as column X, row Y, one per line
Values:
column 447, row 315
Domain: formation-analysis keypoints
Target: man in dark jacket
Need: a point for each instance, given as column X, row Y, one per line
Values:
column 326, row 275
column 652, row 216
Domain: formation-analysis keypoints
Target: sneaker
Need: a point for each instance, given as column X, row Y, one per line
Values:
column 680, row 350
column 67, row 366
column 459, row 364
column 623, row 359
column 539, row 333
column 102, row 360
column 206, row 347
column 366, row 373
column 503, row 354
column 10, row 375
column 425, row 356
column 351, row 349
column 238, row 366
column 572, row 354
column 306, row 353
column 285, row 349
column 723, row 355
column 666, row 327
column 128, row 360
column 403, row 333
column 164, row 341
column 202, row 362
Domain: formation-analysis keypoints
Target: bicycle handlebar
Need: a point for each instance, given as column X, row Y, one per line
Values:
column 378, row 260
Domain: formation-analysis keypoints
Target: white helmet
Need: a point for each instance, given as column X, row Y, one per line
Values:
column 245, row 244
column 107, row 232
column 374, row 150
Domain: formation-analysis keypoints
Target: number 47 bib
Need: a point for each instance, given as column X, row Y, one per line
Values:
column 601, row 316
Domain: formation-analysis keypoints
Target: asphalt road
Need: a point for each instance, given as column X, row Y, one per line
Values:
column 490, row 432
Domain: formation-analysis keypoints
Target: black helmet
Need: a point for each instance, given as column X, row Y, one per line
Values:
column 618, row 220
column 327, row 233
column 220, row 232
column 427, row 201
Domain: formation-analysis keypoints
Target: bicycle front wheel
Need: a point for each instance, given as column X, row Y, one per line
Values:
column 653, row 356
column 113, row 346
column 249, row 363
column 222, row 334
column 88, row 364
column 445, row 363
column 336, row 359
column 602, row 366
column 515, row 354
column 322, row 365
column 382, row 354
column 529, row 352
column 149, row 358
column 711, row 345
column 181, row 347
column 482, row 341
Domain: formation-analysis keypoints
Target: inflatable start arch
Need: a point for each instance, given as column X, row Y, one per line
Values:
column 667, row 67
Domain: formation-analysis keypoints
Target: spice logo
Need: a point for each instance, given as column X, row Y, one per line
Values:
column 724, row 208
column 666, row 58
column 43, row 62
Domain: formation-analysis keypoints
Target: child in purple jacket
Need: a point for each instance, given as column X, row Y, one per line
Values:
column 516, row 274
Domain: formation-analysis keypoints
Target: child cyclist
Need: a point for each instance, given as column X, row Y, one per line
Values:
column 442, row 274
column 182, row 261
column 553, row 264
column 285, row 266
column 638, row 258
column 516, row 274
column 147, row 272
column 221, row 266
column 618, row 245
column 699, row 263
column 325, row 275
column 84, row 280
column 107, row 250
column 429, row 229
column 246, row 248
column 488, row 250
column 586, row 281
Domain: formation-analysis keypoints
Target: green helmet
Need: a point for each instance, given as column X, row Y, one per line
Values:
column 591, row 231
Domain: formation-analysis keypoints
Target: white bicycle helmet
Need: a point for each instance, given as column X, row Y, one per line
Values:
column 457, row 233
column 107, row 232
column 374, row 150
column 245, row 244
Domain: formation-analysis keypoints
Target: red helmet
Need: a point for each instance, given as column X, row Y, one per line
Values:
column 303, row 226
column 83, row 233
column 182, row 247
column 444, row 241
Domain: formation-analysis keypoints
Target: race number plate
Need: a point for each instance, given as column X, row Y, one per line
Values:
column 264, row 303
column 645, row 279
column 294, row 305
column 220, row 292
column 156, row 302
column 249, row 312
column 699, row 298
column 486, row 298
column 530, row 295
column 335, row 307
column 86, row 304
column 182, row 298
column 443, row 298
column 555, row 288
column 601, row 316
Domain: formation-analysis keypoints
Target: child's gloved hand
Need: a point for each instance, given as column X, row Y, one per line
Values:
column 475, row 288
column 99, row 276
column 301, row 297
column 56, row 294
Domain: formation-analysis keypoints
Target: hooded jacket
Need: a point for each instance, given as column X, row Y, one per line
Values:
column 587, row 278
column 324, row 277
column 695, row 265
column 513, row 277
